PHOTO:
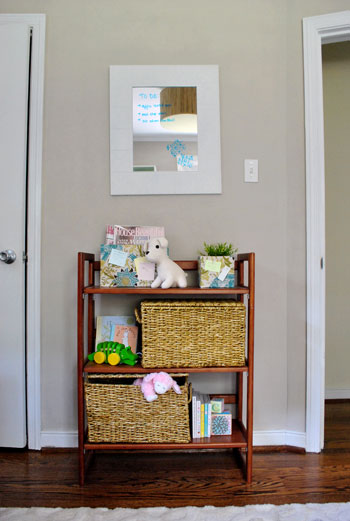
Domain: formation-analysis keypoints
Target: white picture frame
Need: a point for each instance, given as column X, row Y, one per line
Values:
column 207, row 179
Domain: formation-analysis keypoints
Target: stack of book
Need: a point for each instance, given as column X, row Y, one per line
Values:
column 209, row 418
column 120, row 329
column 123, row 261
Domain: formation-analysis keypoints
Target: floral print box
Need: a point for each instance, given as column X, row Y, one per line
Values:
column 118, row 267
column 216, row 272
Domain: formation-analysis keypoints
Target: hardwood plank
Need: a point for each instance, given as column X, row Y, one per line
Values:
column 124, row 479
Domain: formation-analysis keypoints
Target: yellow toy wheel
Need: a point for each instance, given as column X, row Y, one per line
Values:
column 99, row 357
column 113, row 359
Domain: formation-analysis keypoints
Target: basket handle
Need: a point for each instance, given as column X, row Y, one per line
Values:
column 138, row 316
column 190, row 393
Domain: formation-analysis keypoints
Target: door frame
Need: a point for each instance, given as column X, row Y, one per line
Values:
column 38, row 24
column 317, row 30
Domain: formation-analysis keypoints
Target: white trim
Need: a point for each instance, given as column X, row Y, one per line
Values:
column 337, row 394
column 37, row 22
column 316, row 31
column 63, row 440
column 279, row 437
column 261, row 438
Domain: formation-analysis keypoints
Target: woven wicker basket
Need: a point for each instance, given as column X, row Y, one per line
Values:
column 117, row 411
column 209, row 333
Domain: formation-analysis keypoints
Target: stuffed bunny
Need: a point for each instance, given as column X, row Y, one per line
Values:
column 169, row 273
column 156, row 383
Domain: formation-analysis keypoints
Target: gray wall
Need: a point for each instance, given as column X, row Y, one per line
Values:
column 258, row 47
column 336, row 88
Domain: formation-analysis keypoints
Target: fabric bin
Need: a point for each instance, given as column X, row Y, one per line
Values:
column 217, row 272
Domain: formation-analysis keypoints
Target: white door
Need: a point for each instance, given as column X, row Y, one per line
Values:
column 14, row 80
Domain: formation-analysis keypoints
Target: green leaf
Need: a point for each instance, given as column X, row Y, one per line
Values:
column 219, row 249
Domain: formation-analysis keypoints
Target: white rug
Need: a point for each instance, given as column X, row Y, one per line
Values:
column 293, row 512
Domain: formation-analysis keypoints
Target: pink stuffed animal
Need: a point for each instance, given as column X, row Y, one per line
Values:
column 156, row 383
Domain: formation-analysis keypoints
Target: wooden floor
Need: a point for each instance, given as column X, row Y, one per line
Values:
column 49, row 478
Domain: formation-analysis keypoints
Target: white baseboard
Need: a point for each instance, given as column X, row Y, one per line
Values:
column 337, row 394
column 279, row 437
column 59, row 439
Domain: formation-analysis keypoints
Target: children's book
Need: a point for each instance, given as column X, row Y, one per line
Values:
column 194, row 415
column 199, row 408
column 126, row 335
column 202, row 415
column 104, row 326
column 209, row 420
column 207, row 415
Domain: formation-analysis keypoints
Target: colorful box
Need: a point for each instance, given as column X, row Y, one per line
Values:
column 217, row 405
column 118, row 267
column 221, row 424
column 216, row 272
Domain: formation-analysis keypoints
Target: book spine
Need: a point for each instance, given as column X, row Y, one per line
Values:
column 194, row 416
column 206, row 420
column 209, row 420
column 202, row 419
column 198, row 417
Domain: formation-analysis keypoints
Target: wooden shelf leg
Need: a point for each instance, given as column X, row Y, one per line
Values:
column 240, row 397
column 81, row 467
column 249, row 466
column 250, row 384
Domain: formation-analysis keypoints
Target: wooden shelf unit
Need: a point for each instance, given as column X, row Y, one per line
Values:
column 241, row 440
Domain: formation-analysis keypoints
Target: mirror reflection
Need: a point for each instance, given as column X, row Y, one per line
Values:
column 165, row 134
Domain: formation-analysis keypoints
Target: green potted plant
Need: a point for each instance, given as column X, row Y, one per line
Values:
column 216, row 266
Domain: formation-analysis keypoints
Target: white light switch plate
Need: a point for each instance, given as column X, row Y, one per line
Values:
column 251, row 171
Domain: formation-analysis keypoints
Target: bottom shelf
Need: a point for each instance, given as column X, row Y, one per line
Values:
column 236, row 440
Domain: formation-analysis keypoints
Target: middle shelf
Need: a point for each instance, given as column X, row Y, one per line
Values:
column 91, row 367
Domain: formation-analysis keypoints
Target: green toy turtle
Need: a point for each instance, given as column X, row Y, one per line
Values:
column 113, row 353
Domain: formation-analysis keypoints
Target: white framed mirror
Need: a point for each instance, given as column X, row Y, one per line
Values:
column 164, row 129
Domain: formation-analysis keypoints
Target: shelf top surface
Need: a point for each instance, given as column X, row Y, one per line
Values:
column 193, row 290
column 91, row 367
column 236, row 439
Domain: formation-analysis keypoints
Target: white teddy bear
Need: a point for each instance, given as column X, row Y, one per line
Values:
column 169, row 273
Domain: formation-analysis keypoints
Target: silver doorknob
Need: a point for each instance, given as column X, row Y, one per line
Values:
column 7, row 256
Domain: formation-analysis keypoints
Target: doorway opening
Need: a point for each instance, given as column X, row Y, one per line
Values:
column 317, row 31
column 336, row 86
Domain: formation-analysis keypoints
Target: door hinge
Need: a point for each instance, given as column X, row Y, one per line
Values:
column 24, row 257
column 322, row 263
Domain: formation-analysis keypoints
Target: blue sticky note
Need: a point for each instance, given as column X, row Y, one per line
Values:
column 118, row 258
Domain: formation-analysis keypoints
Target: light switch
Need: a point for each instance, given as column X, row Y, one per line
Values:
column 251, row 172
